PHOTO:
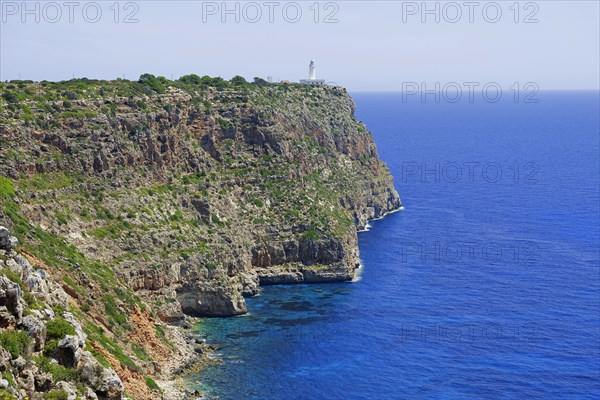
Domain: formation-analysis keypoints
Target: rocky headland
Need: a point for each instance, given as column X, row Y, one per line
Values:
column 139, row 205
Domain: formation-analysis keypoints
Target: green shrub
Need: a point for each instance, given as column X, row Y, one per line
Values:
column 140, row 352
column 225, row 124
column 177, row 216
column 151, row 384
column 31, row 300
column 310, row 235
column 6, row 188
column 58, row 372
column 4, row 395
column 191, row 79
column 260, row 81
column 111, row 231
column 13, row 276
column 113, row 348
column 238, row 81
column 78, row 114
column 9, row 378
column 58, row 328
column 61, row 218
column 70, row 95
column 15, row 342
column 258, row 202
column 160, row 332
column 85, row 213
column 101, row 359
column 86, row 307
column 11, row 97
column 211, row 266
column 57, row 395
column 46, row 182
column 113, row 312
column 152, row 82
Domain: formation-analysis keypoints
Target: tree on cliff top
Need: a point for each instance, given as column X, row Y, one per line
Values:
column 155, row 83
column 259, row 81
column 191, row 79
column 239, row 81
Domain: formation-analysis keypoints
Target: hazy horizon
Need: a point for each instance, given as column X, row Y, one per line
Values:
column 363, row 46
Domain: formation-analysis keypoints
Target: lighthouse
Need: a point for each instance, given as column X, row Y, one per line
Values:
column 312, row 76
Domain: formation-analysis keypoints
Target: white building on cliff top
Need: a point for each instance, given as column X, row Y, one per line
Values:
column 312, row 76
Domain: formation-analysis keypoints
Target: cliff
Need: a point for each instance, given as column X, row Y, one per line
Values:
column 156, row 199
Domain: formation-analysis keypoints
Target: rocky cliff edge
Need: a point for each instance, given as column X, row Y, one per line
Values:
column 159, row 199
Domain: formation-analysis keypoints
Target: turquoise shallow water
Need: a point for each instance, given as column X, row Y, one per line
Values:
column 486, row 286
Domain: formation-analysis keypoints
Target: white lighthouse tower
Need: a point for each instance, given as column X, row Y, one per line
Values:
column 312, row 76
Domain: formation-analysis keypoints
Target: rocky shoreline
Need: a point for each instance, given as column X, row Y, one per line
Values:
column 193, row 356
column 283, row 277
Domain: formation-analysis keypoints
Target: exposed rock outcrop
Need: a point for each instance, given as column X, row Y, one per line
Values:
column 30, row 358
column 143, row 200
column 268, row 180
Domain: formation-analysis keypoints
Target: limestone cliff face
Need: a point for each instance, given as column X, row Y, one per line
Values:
column 33, row 320
column 196, row 196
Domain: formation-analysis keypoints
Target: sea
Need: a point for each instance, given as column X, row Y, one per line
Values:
column 485, row 286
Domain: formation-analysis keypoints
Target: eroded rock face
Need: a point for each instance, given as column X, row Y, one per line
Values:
column 153, row 279
column 203, row 208
column 11, row 302
column 36, row 329
column 104, row 382
column 7, row 242
column 67, row 351
column 29, row 379
column 197, row 203
column 211, row 301
column 43, row 382
column 250, row 284
column 275, row 276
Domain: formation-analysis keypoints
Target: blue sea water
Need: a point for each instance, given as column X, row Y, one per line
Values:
column 487, row 285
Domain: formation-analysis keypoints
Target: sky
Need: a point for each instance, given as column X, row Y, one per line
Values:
column 361, row 45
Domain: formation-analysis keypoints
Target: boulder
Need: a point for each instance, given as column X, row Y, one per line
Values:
column 12, row 242
column 203, row 208
column 4, row 236
column 6, row 318
column 90, row 394
column 250, row 284
column 67, row 351
column 19, row 363
column 37, row 331
column 22, row 262
column 11, row 297
column 79, row 333
column 57, row 295
column 43, row 382
column 36, row 283
column 103, row 381
column 7, row 242
column 69, row 388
